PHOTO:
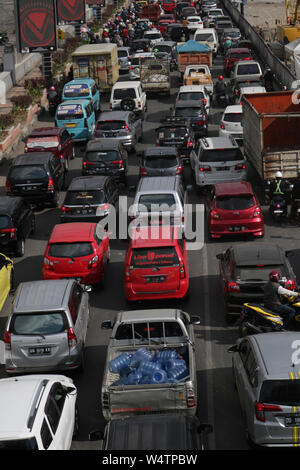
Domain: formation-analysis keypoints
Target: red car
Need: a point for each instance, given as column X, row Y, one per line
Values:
column 156, row 264
column 74, row 250
column 52, row 139
column 168, row 5
column 233, row 208
column 233, row 56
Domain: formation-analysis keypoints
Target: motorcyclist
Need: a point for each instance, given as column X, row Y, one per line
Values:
column 220, row 87
column 53, row 95
column 272, row 292
column 227, row 44
column 279, row 187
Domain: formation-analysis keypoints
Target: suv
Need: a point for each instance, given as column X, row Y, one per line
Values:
column 177, row 132
column 234, row 55
column 106, row 157
column 17, row 222
column 160, row 161
column 217, row 160
column 156, row 264
column 128, row 96
column 250, row 69
column 52, row 139
column 154, row 35
column 44, row 413
column 195, row 112
column 37, row 177
column 231, row 123
column 88, row 199
column 47, row 326
column 123, row 126
column 266, row 375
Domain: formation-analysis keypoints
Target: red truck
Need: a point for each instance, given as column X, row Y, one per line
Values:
column 168, row 5
column 152, row 12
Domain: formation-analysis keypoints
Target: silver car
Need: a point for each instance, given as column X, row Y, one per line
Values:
column 125, row 126
column 266, row 371
column 47, row 327
column 124, row 59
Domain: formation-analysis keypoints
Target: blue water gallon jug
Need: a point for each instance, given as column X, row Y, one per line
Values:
column 159, row 377
column 134, row 378
column 147, row 367
column 172, row 363
column 125, row 372
column 178, row 373
column 119, row 363
column 141, row 355
column 165, row 355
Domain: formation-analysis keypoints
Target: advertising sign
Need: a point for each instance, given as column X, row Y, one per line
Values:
column 70, row 11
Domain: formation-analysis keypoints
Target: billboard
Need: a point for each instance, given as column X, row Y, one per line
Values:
column 92, row 3
column 36, row 28
column 70, row 11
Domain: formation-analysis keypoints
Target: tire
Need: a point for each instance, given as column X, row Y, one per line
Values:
column 127, row 104
column 21, row 247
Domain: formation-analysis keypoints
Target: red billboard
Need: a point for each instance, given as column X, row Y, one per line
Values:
column 70, row 11
column 36, row 28
column 92, row 3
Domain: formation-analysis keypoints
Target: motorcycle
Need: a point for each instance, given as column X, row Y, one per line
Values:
column 53, row 100
column 278, row 208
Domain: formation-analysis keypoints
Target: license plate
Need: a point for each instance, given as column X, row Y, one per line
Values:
column 84, row 211
column 39, row 351
column 292, row 420
column 224, row 168
column 29, row 188
column 155, row 279
column 278, row 212
column 237, row 228
column 70, row 125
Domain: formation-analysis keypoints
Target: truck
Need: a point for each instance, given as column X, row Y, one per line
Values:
column 193, row 53
column 97, row 61
column 155, row 330
column 198, row 75
column 151, row 11
column 155, row 74
column 271, row 123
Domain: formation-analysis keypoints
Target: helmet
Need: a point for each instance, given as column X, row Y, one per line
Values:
column 220, row 77
column 278, row 174
column 274, row 276
column 52, row 88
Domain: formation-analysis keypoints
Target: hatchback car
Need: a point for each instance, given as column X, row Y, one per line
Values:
column 52, row 139
column 156, row 264
column 47, row 326
column 124, row 59
column 38, row 412
column 160, row 161
column 266, row 375
column 74, row 250
column 234, row 209
column 6, row 278
column 106, row 157
column 17, row 222
column 231, row 123
column 235, row 55
column 196, row 113
column 89, row 199
column 244, row 271
column 36, row 177
column 124, row 126
column 179, row 133
column 194, row 21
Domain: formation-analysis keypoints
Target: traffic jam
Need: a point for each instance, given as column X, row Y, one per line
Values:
column 149, row 235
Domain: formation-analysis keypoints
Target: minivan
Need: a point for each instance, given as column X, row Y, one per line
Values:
column 47, row 326
column 82, row 88
column 78, row 117
column 208, row 36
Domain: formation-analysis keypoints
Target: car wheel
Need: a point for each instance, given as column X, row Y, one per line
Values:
column 21, row 247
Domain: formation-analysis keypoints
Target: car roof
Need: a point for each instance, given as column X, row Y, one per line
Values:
column 154, row 236
column 187, row 88
column 235, row 108
column 45, row 131
column 157, row 151
column 233, row 188
column 142, row 54
column 71, row 232
column 166, row 43
column 87, row 80
column 246, row 62
column 157, row 314
column 8, row 204
column 87, row 183
column 129, row 84
column 41, row 295
column 157, row 183
column 218, row 142
column 257, row 253
column 238, row 50
column 32, row 158
column 277, row 361
column 113, row 115
column 75, row 102
column 103, row 144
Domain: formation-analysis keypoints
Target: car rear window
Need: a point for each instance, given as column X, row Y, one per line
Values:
column 154, row 257
column 208, row 37
column 135, row 61
column 70, row 250
column 163, row 48
column 235, row 203
column 233, row 117
column 110, row 125
column 165, row 161
column 239, row 55
column 103, row 156
column 5, row 222
column 172, row 132
column 258, row 273
column 38, row 323
column 28, row 172
column 281, row 392
column 121, row 93
column 223, row 25
column 189, row 112
column 84, row 197
column 153, row 200
column 122, row 54
column 247, row 69
column 71, row 111
column 191, row 95
column 77, row 90
column 153, row 36
column 221, row 155
column 19, row 444
column 44, row 142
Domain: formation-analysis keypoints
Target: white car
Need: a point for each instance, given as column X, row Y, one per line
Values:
column 249, row 90
column 154, row 35
column 231, row 123
column 38, row 412
column 195, row 21
column 128, row 96
column 194, row 92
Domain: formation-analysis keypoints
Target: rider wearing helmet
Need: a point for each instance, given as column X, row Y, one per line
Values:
column 278, row 187
column 220, row 87
column 272, row 292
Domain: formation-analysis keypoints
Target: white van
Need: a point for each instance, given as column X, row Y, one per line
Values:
column 208, row 36
column 128, row 96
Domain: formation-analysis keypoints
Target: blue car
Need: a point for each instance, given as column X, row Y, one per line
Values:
column 82, row 89
column 78, row 117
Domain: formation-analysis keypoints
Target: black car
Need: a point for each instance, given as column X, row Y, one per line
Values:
column 106, row 157
column 37, row 177
column 88, row 199
column 244, row 270
column 17, row 222
column 177, row 32
column 168, row 48
column 196, row 113
column 179, row 7
column 160, row 161
column 178, row 132
column 140, row 45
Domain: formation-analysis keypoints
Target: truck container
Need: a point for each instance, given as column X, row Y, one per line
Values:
column 271, row 125
column 193, row 53
column 155, row 75
column 151, row 11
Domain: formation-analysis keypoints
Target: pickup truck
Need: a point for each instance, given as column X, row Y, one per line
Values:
column 271, row 123
column 155, row 75
column 193, row 53
column 198, row 75
column 155, row 330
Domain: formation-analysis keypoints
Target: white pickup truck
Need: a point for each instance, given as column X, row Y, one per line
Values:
column 154, row 330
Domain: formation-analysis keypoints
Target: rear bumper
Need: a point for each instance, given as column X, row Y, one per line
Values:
column 131, row 295
column 251, row 227
column 92, row 276
column 201, row 180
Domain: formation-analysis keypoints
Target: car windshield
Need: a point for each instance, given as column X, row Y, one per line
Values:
column 28, row 172
column 191, row 95
column 222, row 155
column 154, row 35
column 258, row 273
column 162, row 48
column 163, row 162
column 42, row 141
column 84, row 197
column 171, row 133
column 247, row 69
column 233, row 117
column 235, row 203
column 72, row 111
column 76, row 90
column 110, row 125
column 154, row 201
column 122, row 53
column 70, row 250
column 19, row 444
column 249, row 84
column 105, row 156
column 281, row 392
column 153, row 329
column 153, row 257
column 208, row 37
column 39, row 323
column 5, row 222
column 232, row 34
column 121, row 93
column 188, row 112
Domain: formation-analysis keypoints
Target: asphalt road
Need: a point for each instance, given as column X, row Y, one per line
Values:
column 217, row 400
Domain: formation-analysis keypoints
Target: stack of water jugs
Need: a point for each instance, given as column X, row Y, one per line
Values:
column 145, row 367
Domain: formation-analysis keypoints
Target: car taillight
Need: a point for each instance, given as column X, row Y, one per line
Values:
column 7, row 340
column 110, row 105
column 200, row 123
column 190, row 398
column 50, row 184
column 179, row 170
column 233, row 287
column 189, row 143
column 261, row 408
column 222, row 126
column 256, row 212
column 139, row 104
column 25, row 149
column 127, row 274
column 93, row 262
column 7, row 186
column 11, row 231
column 143, row 171
column 204, row 100
column 181, row 271
column 48, row 264
column 103, row 209
column 65, row 209
column 214, row 214
column 72, row 340
column 204, row 168
column 240, row 166
column 290, row 284
column 118, row 162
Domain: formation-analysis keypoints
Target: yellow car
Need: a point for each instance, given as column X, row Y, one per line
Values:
column 6, row 277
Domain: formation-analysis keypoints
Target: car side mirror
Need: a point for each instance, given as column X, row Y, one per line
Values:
column 97, row 435
column 106, row 325
column 87, row 288
column 220, row 256
column 233, row 348
column 195, row 320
